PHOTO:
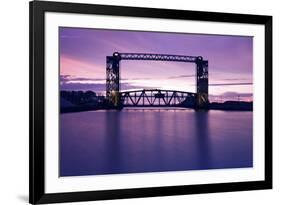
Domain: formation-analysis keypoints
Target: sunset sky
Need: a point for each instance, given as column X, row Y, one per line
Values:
column 83, row 60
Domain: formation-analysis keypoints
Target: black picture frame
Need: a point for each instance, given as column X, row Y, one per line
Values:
column 37, row 9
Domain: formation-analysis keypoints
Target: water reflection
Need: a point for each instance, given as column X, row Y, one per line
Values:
column 202, row 139
column 112, row 142
column 133, row 141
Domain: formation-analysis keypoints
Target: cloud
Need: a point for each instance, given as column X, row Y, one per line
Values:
column 97, row 87
column 136, row 78
column 230, row 84
column 70, row 36
column 180, row 76
column 77, row 67
column 64, row 77
column 235, row 79
column 70, row 78
column 233, row 94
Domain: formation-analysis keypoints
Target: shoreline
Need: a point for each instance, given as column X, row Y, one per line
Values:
column 83, row 109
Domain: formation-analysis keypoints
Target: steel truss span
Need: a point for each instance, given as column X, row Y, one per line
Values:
column 157, row 57
column 157, row 98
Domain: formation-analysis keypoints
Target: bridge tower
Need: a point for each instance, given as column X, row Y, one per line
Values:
column 202, row 84
column 112, row 79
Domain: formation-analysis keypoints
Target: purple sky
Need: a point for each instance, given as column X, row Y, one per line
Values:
column 83, row 53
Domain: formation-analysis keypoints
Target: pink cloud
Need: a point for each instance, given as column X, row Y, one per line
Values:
column 75, row 67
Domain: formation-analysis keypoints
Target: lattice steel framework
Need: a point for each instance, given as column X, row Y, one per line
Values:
column 156, row 57
column 113, row 74
column 112, row 79
column 202, row 83
column 157, row 98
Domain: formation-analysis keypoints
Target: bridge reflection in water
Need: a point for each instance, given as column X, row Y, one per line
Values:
column 157, row 98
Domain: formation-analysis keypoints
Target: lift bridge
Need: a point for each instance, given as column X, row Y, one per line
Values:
column 156, row 97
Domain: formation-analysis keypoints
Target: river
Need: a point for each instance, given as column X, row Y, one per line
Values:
column 154, row 140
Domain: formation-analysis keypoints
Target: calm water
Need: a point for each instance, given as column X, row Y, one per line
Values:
column 132, row 141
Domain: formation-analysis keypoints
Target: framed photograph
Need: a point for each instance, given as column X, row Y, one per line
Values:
column 141, row 102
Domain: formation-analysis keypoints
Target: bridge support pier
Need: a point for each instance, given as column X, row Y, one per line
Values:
column 202, row 80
